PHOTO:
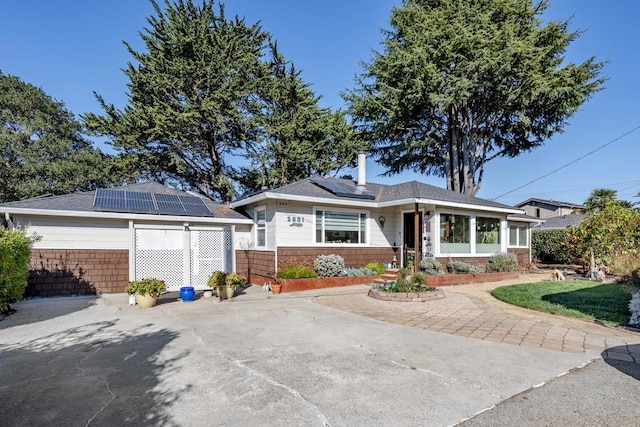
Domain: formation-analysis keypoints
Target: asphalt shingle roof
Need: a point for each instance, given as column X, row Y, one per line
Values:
column 386, row 193
column 83, row 201
column 562, row 221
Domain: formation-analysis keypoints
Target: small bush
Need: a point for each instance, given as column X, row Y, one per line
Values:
column 297, row 271
column 15, row 252
column 418, row 278
column 375, row 266
column 404, row 272
column 459, row 267
column 501, row 263
column 430, row 266
column 329, row 265
column 403, row 286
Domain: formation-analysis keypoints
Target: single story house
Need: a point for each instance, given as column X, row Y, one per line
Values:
column 365, row 222
column 560, row 222
column 541, row 208
column 97, row 241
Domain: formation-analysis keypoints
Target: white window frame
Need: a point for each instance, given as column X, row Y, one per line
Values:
column 518, row 244
column 366, row 231
column 259, row 228
column 473, row 215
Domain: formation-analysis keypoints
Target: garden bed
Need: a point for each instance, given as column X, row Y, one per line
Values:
column 406, row 297
column 464, row 279
column 293, row 285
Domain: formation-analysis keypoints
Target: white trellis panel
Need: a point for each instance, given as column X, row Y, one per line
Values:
column 160, row 254
column 210, row 251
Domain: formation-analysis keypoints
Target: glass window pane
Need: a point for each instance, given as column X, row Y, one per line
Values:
column 523, row 236
column 513, row 236
column 319, row 227
column 455, row 234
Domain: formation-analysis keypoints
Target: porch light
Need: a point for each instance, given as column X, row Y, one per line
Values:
column 382, row 220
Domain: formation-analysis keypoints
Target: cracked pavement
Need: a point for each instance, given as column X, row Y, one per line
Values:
column 252, row 360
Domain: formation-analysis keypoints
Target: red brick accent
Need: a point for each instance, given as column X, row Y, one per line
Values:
column 522, row 254
column 292, row 285
column 257, row 266
column 464, row 279
column 353, row 257
column 77, row 272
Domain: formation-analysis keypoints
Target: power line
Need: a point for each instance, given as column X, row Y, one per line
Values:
column 571, row 162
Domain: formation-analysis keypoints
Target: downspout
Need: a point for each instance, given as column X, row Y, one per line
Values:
column 416, row 236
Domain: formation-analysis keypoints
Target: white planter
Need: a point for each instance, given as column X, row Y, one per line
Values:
column 132, row 300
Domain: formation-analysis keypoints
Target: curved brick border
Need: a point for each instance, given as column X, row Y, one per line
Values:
column 405, row 297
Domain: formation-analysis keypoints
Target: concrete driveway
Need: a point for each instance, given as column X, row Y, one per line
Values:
column 254, row 360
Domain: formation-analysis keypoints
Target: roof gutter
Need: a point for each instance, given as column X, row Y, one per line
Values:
column 117, row 215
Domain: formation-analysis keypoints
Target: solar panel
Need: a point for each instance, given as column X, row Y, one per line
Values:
column 155, row 203
column 140, row 202
column 343, row 190
column 169, row 204
column 194, row 206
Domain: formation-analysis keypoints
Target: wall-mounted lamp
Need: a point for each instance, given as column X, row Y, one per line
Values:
column 382, row 220
column 186, row 226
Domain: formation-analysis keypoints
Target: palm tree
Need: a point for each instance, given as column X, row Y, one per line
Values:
column 600, row 197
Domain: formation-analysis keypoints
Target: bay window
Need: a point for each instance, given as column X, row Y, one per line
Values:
column 455, row 233
column 487, row 235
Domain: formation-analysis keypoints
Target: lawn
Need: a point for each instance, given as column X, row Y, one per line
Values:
column 590, row 300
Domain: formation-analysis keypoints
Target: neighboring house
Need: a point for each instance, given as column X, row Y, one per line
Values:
column 365, row 222
column 540, row 208
column 560, row 222
column 96, row 241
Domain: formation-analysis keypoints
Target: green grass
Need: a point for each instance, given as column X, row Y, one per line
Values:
column 590, row 300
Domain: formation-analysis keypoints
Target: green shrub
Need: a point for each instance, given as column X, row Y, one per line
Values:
column 404, row 272
column 297, row 271
column 459, row 267
column 418, row 278
column 403, row 286
column 15, row 251
column 430, row 266
column 146, row 286
column 501, row 262
column 375, row 266
column 329, row 265
column 549, row 246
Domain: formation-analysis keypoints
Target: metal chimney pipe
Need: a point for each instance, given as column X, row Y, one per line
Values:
column 362, row 170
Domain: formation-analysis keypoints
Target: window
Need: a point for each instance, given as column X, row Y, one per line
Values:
column 487, row 235
column 455, row 234
column 340, row 227
column 518, row 235
column 261, row 227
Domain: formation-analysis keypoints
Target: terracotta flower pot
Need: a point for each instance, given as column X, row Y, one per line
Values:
column 276, row 288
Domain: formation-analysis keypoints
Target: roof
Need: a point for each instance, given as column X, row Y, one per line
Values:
column 550, row 202
column 83, row 201
column 525, row 218
column 385, row 195
column 563, row 221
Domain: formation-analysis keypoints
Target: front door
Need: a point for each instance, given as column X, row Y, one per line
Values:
column 409, row 242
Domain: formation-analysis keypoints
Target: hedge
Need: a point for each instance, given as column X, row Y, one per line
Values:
column 15, row 251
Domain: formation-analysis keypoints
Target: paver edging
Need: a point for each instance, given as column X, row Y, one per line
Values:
column 406, row 297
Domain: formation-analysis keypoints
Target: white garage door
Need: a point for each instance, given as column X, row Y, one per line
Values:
column 182, row 258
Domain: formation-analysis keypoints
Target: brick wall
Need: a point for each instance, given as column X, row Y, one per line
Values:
column 353, row 257
column 522, row 254
column 257, row 266
column 77, row 272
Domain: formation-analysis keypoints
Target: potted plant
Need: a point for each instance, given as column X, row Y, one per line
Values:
column 146, row 291
column 276, row 287
column 225, row 284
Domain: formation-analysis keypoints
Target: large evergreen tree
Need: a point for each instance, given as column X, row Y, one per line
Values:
column 204, row 98
column 299, row 138
column 462, row 82
column 42, row 150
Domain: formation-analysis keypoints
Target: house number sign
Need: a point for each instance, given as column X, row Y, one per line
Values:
column 295, row 221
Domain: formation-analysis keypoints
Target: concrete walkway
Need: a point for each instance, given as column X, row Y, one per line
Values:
column 471, row 311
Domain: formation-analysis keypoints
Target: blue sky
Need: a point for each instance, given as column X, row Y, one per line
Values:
column 71, row 48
